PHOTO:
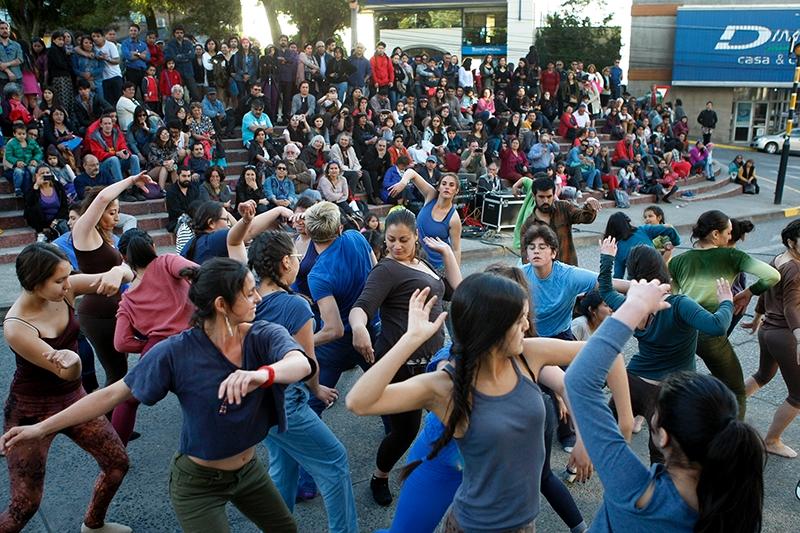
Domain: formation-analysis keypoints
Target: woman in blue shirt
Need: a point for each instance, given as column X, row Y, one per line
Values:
column 713, row 476
column 627, row 235
column 307, row 441
column 228, row 373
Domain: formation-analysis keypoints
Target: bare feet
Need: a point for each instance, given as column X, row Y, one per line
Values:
column 780, row 449
column 637, row 423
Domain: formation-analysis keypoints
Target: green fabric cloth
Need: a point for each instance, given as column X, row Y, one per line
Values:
column 527, row 208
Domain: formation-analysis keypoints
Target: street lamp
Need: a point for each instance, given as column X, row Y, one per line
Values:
column 353, row 24
column 795, row 51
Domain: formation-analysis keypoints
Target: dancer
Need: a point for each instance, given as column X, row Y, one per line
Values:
column 307, row 442
column 777, row 321
column 710, row 455
column 388, row 289
column 628, row 236
column 228, row 374
column 695, row 272
column 41, row 330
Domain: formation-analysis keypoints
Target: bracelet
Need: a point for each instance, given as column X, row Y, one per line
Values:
column 270, row 376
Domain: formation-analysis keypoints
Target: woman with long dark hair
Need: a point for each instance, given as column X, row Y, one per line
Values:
column 628, row 236
column 210, row 227
column 307, row 442
column 59, row 71
column 712, row 479
column 388, row 289
column 488, row 398
column 228, row 373
column 154, row 307
column 777, row 321
column 695, row 272
column 41, row 330
column 250, row 187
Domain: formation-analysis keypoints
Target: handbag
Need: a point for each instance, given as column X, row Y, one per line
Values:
column 749, row 188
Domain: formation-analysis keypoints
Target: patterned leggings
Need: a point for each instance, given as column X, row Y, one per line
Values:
column 26, row 462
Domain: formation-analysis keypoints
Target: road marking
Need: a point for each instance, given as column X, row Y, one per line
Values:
column 785, row 186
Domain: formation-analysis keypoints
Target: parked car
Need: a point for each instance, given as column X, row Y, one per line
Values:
column 772, row 144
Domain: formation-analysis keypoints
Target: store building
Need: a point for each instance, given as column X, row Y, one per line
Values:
column 734, row 53
column 468, row 28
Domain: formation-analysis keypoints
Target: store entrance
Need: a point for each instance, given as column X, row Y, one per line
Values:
column 750, row 121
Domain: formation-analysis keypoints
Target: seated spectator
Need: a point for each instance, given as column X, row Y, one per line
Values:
column 126, row 105
column 168, row 80
column 375, row 163
column 217, row 189
column 296, row 131
column 392, row 177
column 314, row 155
column 251, row 187
column 398, row 148
column 197, row 162
column 490, row 182
column 623, row 152
column 46, row 205
column 297, row 171
column 88, row 107
column 410, row 133
column 455, row 142
column 343, row 153
column 279, row 189
column 22, row 156
column 582, row 117
column 430, row 172
column 364, row 134
column 179, row 137
column 543, row 154
column 473, row 160
column 59, row 131
column 14, row 109
column 567, row 125
column 747, row 178
column 140, row 134
column 262, row 154
column 175, row 105
column 303, row 103
column 180, row 195
column 201, row 131
column 386, row 130
column 318, row 126
column 435, row 134
column 334, row 189
column 700, row 158
column 628, row 179
column 680, row 166
column 162, row 158
column 90, row 177
column 513, row 162
column 214, row 109
column 107, row 144
column 63, row 173
column 253, row 120
column 580, row 161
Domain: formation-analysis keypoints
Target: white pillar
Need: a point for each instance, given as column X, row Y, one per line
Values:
column 522, row 22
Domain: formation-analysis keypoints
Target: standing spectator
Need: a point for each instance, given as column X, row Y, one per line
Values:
column 136, row 56
column 245, row 65
column 287, row 71
column 338, row 72
column 708, row 120
column 10, row 57
column 108, row 54
column 59, row 71
column 382, row 69
column 169, row 78
column 181, row 50
column 465, row 77
column 149, row 89
column 362, row 70
column 615, row 76
column 155, row 51
column 86, row 66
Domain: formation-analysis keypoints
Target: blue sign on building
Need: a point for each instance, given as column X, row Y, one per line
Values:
column 735, row 46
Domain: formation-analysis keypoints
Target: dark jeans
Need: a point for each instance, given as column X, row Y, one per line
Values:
column 112, row 90
column 135, row 76
column 100, row 332
column 404, row 427
column 565, row 427
column 644, row 398
column 353, row 181
column 286, row 89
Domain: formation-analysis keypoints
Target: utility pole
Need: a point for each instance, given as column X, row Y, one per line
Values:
column 353, row 24
column 793, row 51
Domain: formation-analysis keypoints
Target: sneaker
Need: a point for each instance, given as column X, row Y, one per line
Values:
column 18, row 193
column 568, row 443
column 40, row 237
column 380, row 490
column 127, row 197
column 305, row 494
column 108, row 527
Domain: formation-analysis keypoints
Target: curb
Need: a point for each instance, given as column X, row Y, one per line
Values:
column 734, row 147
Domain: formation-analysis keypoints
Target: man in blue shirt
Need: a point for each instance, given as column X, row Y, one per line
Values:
column 616, row 79
column 10, row 57
column 336, row 281
column 253, row 120
column 214, row 109
column 287, row 73
column 136, row 57
column 182, row 51
column 393, row 177
column 363, row 70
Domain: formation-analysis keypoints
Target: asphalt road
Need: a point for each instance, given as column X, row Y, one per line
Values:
column 766, row 167
column 143, row 503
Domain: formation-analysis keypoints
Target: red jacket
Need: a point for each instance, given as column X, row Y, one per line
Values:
column 150, row 89
column 156, row 56
column 382, row 70
column 167, row 80
column 622, row 152
column 566, row 123
column 103, row 147
column 550, row 82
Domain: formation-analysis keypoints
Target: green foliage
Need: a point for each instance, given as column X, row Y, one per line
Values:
column 316, row 20
column 569, row 36
column 198, row 16
column 35, row 18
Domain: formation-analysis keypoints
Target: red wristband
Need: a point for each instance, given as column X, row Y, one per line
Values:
column 270, row 376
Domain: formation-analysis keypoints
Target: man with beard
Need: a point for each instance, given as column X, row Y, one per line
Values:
column 542, row 207
column 180, row 196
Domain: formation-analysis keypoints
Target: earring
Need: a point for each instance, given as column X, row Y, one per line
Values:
column 228, row 325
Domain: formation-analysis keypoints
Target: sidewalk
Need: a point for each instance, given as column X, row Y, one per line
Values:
column 681, row 214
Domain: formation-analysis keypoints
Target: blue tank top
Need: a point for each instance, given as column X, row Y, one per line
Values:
column 428, row 227
column 503, row 451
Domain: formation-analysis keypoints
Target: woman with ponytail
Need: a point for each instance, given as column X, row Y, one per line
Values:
column 712, row 478
column 695, row 274
column 307, row 441
column 388, row 288
column 229, row 374
column 155, row 306
column 487, row 399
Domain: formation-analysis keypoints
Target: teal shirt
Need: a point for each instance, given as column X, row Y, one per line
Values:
column 643, row 235
column 669, row 341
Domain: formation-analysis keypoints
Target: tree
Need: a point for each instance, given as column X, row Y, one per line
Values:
column 272, row 19
column 225, row 18
column 569, row 36
column 33, row 18
column 316, row 20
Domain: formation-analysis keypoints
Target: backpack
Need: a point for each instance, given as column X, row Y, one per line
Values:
column 621, row 199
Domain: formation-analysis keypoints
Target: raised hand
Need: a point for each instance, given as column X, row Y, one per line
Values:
column 649, row 295
column 419, row 312
column 397, row 188
column 142, row 180
column 247, row 210
column 436, row 244
column 608, row 246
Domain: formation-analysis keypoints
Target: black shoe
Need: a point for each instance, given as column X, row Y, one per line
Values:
column 134, row 435
column 568, row 443
column 139, row 196
column 127, row 197
column 380, row 490
column 666, row 201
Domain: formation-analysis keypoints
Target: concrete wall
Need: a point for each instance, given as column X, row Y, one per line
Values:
column 521, row 28
column 446, row 39
column 694, row 100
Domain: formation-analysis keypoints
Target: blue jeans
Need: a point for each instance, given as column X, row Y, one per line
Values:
column 310, row 443
column 341, row 89
column 592, row 178
column 114, row 166
column 334, row 358
column 19, row 178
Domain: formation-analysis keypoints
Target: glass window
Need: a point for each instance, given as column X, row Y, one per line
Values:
column 484, row 28
column 402, row 20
